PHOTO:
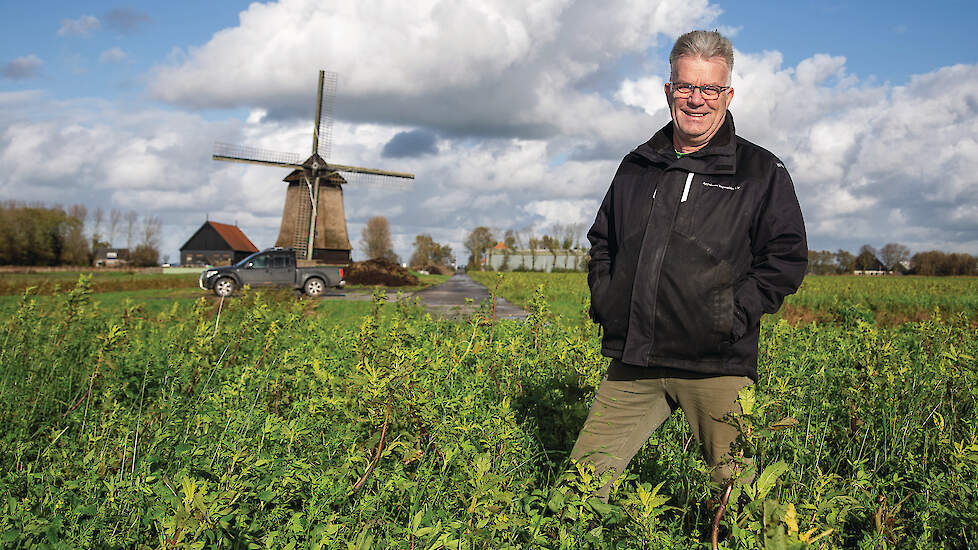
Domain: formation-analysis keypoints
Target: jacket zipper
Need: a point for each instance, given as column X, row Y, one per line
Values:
column 658, row 270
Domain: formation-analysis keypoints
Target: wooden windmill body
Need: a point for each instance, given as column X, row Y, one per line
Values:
column 313, row 218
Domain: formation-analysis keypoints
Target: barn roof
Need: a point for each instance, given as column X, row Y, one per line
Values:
column 235, row 238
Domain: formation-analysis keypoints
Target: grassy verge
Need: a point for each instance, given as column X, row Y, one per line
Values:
column 54, row 282
column 48, row 283
column 886, row 301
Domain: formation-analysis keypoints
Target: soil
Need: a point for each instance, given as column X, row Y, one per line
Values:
column 378, row 272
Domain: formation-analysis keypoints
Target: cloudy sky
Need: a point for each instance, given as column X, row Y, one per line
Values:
column 513, row 114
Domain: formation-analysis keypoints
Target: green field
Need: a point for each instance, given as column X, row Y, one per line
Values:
column 102, row 281
column 160, row 419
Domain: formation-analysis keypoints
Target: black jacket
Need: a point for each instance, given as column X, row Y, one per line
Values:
column 686, row 254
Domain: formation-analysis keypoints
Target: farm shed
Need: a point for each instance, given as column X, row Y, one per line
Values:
column 111, row 257
column 871, row 266
column 216, row 244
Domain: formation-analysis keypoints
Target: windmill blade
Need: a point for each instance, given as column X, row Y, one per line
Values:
column 322, row 138
column 255, row 155
column 372, row 171
column 362, row 179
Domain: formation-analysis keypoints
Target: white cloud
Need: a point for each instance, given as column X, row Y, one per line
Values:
column 113, row 55
column 22, row 67
column 19, row 98
column 563, row 211
column 491, row 68
column 83, row 26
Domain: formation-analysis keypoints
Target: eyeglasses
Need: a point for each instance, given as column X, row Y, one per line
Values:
column 685, row 89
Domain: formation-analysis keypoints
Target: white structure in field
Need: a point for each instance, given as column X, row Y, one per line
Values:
column 501, row 258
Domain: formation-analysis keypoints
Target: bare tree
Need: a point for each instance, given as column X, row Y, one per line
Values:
column 893, row 253
column 866, row 260
column 131, row 219
column 376, row 239
column 97, row 218
column 427, row 252
column 867, row 250
column 147, row 252
column 844, row 261
column 477, row 242
column 532, row 242
column 74, row 250
column 574, row 231
column 510, row 239
column 115, row 220
column 151, row 231
column 821, row 262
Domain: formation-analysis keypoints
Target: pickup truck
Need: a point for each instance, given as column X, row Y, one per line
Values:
column 272, row 267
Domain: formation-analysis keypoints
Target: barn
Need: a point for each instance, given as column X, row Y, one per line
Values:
column 216, row 244
column 111, row 257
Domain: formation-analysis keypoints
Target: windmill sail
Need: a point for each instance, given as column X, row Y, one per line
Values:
column 325, row 105
column 255, row 155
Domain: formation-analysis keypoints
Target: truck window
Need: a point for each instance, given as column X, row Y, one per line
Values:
column 280, row 262
column 260, row 261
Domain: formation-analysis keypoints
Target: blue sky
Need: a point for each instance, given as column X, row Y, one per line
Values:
column 518, row 119
column 889, row 40
column 71, row 66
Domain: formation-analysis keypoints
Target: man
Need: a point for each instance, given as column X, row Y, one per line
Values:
column 699, row 234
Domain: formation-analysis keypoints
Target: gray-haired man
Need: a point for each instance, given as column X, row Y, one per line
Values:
column 699, row 234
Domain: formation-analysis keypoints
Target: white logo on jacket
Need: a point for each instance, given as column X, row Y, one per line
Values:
column 727, row 187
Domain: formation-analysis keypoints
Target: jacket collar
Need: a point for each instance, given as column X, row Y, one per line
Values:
column 718, row 157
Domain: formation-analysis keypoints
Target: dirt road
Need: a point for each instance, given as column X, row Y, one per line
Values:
column 449, row 299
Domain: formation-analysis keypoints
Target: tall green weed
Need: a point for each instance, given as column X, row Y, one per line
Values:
column 266, row 421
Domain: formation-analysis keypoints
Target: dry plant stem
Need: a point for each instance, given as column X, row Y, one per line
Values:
column 380, row 449
column 217, row 321
column 176, row 536
column 87, row 392
column 715, row 532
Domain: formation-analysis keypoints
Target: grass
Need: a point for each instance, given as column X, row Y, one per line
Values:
column 888, row 301
column 102, row 281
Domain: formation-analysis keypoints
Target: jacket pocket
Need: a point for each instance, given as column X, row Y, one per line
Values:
column 694, row 314
column 723, row 315
column 609, row 307
column 598, row 302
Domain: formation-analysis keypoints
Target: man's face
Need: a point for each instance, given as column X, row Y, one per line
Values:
column 696, row 120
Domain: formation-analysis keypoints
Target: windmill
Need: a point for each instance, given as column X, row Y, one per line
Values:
column 313, row 219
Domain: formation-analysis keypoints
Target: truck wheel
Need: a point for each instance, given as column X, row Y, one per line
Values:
column 314, row 287
column 224, row 286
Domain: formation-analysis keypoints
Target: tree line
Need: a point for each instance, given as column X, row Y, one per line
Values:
column 893, row 257
column 561, row 237
column 376, row 243
column 37, row 235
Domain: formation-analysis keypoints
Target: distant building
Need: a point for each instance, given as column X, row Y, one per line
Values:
column 503, row 258
column 216, row 244
column 872, row 267
column 111, row 257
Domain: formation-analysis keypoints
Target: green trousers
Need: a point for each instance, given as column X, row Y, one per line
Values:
column 632, row 402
